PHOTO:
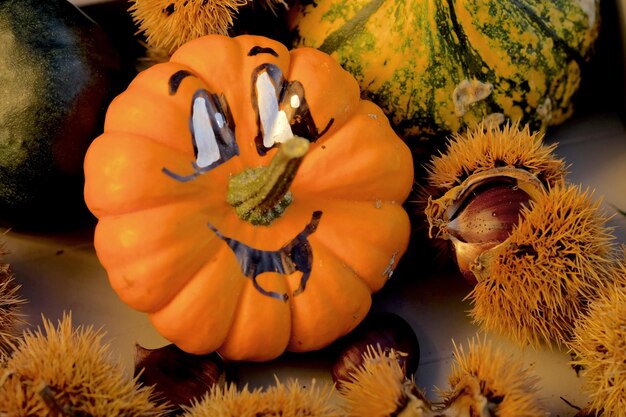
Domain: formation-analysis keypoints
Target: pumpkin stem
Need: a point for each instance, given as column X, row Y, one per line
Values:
column 260, row 195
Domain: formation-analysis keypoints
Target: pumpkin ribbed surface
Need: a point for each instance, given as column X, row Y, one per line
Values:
column 438, row 66
column 183, row 134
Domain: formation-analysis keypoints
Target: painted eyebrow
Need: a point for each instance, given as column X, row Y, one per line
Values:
column 257, row 50
column 176, row 79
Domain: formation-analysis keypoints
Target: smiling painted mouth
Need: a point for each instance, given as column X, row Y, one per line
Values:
column 296, row 255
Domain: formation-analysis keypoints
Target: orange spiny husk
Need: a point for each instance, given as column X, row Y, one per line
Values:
column 169, row 24
column 481, row 149
column 486, row 372
column 538, row 283
column 481, row 154
column 290, row 399
column 11, row 319
column 226, row 401
column 536, row 249
column 65, row 369
column 599, row 346
column 378, row 387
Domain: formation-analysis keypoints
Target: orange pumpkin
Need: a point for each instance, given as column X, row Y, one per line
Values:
column 247, row 199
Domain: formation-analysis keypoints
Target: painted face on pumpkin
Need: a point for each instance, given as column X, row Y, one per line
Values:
column 282, row 112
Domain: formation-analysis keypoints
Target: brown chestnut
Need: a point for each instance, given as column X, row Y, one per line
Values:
column 178, row 377
column 384, row 330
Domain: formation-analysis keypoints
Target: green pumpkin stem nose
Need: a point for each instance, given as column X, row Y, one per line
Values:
column 260, row 195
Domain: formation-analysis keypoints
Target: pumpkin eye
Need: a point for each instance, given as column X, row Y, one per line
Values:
column 211, row 128
column 273, row 121
column 204, row 141
column 282, row 109
column 212, row 131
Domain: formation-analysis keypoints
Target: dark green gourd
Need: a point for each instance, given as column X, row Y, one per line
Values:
column 58, row 72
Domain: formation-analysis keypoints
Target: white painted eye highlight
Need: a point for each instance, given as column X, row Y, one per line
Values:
column 208, row 151
column 294, row 101
column 274, row 122
column 219, row 118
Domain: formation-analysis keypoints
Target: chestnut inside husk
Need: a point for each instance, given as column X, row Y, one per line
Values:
column 480, row 213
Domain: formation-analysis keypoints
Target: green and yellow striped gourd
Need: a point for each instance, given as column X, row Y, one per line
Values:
column 435, row 67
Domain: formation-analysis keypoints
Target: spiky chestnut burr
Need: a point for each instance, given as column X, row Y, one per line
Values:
column 484, row 382
column 289, row 399
column 535, row 248
column 67, row 371
column 11, row 320
column 477, row 186
column 379, row 387
column 599, row 347
column 167, row 24
column 535, row 285
column 292, row 399
column 499, row 382
column 482, row 149
column 226, row 401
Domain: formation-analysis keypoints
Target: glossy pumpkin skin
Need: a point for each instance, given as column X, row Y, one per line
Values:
column 436, row 67
column 164, row 222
